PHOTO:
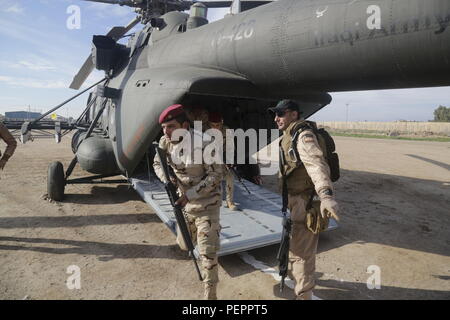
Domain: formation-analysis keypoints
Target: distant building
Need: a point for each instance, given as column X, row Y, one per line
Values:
column 22, row 115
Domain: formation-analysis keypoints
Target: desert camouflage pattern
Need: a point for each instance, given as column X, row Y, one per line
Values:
column 201, row 183
column 11, row 143
column 229, row 185
column 205, row 233
column 228, row 146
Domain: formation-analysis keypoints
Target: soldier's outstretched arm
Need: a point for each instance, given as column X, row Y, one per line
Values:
column 312, row 157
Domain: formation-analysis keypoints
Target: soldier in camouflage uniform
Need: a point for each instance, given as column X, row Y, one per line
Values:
column 200, row 191
column 11, row 145
column 303, row 176
column 216, row 122
column 198, row 113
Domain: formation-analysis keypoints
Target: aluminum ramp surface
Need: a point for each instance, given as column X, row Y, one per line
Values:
column 257, row 224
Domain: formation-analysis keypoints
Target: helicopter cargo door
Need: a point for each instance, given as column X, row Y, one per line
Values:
column 257, row 224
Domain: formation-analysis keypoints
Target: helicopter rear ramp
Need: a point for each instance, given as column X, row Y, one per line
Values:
column 257, row 224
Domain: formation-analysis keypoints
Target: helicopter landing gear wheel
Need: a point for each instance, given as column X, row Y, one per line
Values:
column 55, row 181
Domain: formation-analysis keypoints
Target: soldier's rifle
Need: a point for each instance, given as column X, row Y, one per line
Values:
column 283, row 251
column 171, row 190
column 233, row 170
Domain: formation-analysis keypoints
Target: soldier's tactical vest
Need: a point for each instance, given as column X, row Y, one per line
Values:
column 297, row 178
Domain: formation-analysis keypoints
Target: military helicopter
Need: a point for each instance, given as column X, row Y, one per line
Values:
column 241, row 65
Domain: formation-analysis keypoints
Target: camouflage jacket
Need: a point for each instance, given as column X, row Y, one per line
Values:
column 201, row 183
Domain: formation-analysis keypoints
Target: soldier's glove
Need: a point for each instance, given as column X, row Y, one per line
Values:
column 329, row 208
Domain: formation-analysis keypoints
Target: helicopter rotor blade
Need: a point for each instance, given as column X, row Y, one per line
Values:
column 118, row 32
column 88, row 66
column 216, row 3
column 129, row 3
column 84, row 72
column 246, row 4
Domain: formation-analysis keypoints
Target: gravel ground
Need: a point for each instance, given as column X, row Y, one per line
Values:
column 394, row 198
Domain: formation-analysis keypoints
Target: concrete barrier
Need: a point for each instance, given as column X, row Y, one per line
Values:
column 436, row 128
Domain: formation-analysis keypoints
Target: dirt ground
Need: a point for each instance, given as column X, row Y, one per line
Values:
column 395, row 215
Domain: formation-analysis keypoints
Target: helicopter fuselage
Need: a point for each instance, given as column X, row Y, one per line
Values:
column 299, row 49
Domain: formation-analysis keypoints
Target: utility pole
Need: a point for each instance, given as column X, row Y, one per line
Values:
column 346, row 113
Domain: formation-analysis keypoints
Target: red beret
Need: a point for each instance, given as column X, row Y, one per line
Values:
column 215, row 117
column 170, row 113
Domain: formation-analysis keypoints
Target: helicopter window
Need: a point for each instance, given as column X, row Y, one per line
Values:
column 182, row 28
column 198, row 11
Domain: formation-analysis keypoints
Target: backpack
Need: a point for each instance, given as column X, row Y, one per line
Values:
column 327, row 145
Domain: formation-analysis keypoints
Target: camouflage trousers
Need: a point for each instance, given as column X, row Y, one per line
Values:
column 205, row 233
column 229, row 185
column 303, row 246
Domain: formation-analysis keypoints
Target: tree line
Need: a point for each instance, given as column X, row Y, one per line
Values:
column 442, row 114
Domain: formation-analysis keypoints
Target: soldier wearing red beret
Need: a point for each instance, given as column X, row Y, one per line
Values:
column 200, row 191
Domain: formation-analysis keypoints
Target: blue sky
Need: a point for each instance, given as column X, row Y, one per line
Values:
column 39, row 56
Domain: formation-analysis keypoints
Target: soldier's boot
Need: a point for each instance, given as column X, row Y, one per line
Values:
column 210, row 292
column 305, row 295
column 232, row 206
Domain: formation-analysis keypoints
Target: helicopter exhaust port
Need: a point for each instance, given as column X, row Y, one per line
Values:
column 197, row 16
